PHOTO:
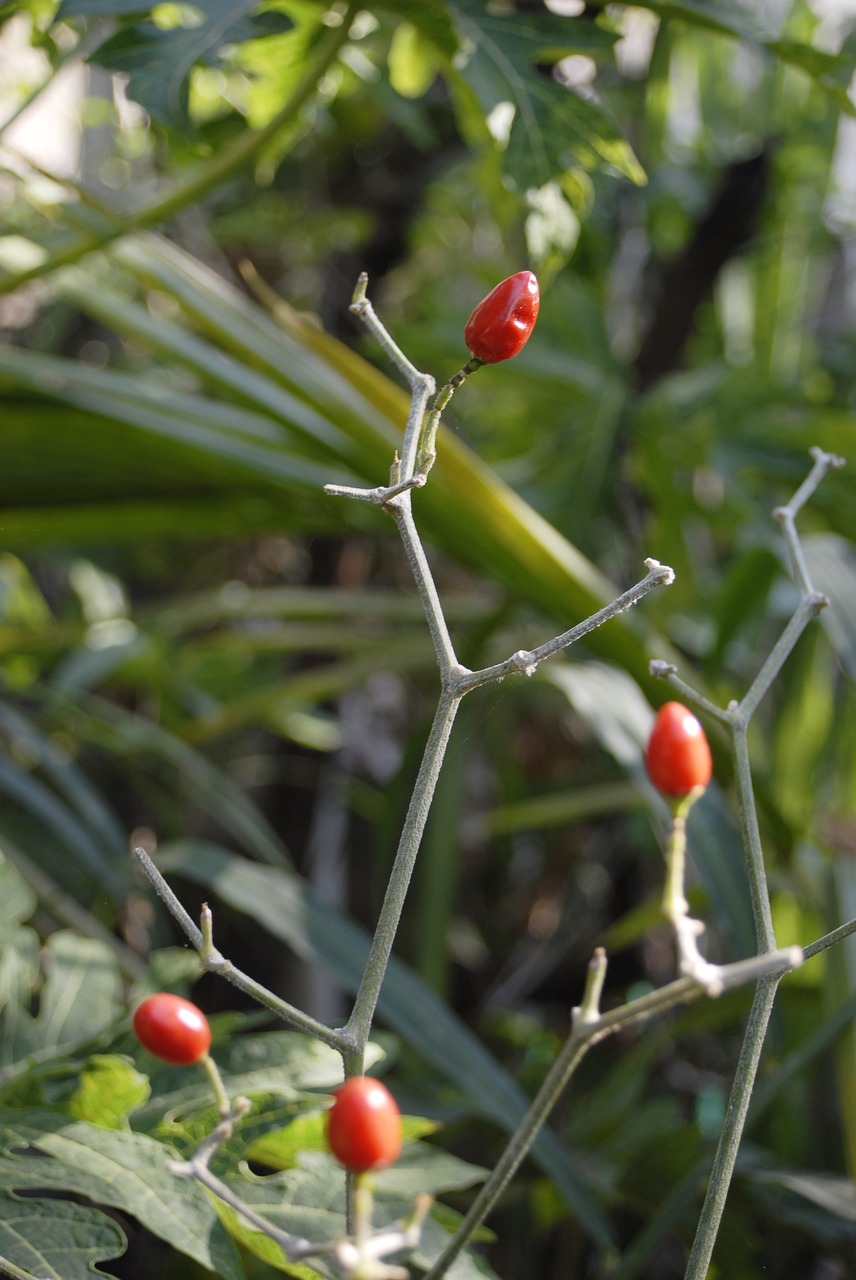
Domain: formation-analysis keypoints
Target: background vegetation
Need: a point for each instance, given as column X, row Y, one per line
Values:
column 199, row 650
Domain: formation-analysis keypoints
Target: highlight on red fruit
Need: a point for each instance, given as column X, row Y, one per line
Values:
column 678, row 757
column 500, row 325
column 172, row 1028
column 364, row 1125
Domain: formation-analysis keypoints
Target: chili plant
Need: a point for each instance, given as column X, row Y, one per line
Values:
column 679, row 764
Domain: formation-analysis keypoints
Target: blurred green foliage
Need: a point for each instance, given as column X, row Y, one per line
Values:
column 199, row 648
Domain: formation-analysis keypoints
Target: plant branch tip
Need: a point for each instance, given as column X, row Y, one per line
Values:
column 662, row 573
column 382, row 494
column 660, row 669
column 831, row 461
column 588, row 1013
column 358, row 298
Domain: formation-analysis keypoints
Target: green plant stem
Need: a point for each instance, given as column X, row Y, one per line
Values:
column 675, row 902
column 810, row 604
column 427, row 449
column 62, row 906
column 589, row 1028
column 786, row 515
column 515, row 1152
column 441, row 639
column 732, row 1130
column 421, row 385
column 217, row 1087
column 360, row 1021
column 214, row 962
column 228, row 160
column 661, row 670
column 751, row 836
column 830, row 939
column 525, row 661
column 808, row 608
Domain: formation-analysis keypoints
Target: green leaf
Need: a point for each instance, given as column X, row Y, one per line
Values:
column 21, row 602
column 17, row 900
column 19, row 974
column 837, row 1196
column 413, row 62
column 423, row 1168
column 31, row 743
column 433, row 19
column 125, row 1171
column 58, row 820
column 280, row 1148
column 543, row 126
column 564, row 808
column 159, row 59
column 101, row 9
column 109, row 1090
column 56, row 1239
column 830, row 72
column 80, row 997
column 727, row 16
column 420, row 1167
column 151, row 747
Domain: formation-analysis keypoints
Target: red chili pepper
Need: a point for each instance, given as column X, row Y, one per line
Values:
column 172, row 1028
column 500, row 325
column 364, row 1125
column 678, row 758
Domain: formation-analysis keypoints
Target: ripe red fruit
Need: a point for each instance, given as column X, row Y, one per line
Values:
column 364, row 1125
column 502, row 322
column 172, row 1028
column 678, row 758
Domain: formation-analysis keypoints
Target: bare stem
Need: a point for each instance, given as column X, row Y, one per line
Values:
column 359, row 1023
column 525, row 661
column 197, row 1167
column 428, row 594
column 808, row 608
column 786, row 515
column 732, row 1130
column 427, row 449
column 213, row 961
column 421, row 384
column 830, row 939
column 675, row 906
column 752, row 848
column 809, row 605
column 587, row 1029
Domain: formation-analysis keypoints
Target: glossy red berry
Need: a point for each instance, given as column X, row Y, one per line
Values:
column 678, row 758
column 502, row 322
column 172, row 1028
column 364, row 1125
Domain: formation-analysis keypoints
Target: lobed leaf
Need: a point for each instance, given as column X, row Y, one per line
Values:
column 122, row 1170
column 55, row 1239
